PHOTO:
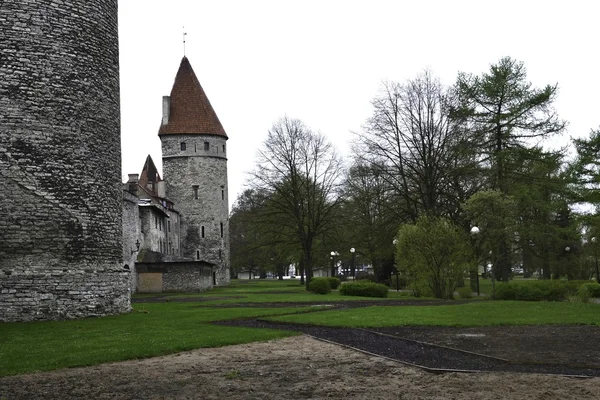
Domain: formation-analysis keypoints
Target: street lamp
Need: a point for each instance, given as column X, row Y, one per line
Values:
column 474, row 233
column 333, row 255
column 596, row 258
column 353, row 271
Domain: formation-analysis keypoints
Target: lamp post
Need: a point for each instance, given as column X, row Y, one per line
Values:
column 395, row 242
column 596, row 258
column 474, row 233
column 353, row 266
column 333, row 255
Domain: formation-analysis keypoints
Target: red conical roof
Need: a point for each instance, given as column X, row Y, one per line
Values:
column 190, row 111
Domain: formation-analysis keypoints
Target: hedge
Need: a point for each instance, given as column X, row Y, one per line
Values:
column 319, row 285
column 543, row 290
column 364, row 288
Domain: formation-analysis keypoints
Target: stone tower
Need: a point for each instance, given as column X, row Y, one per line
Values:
column 60, row 161
column 194, row 155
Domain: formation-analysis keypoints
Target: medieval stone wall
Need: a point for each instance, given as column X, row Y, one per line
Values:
column 160, row 277
column 61, row 252
column 196, row 170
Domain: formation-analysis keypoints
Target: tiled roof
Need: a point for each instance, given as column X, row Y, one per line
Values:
column 190, row 112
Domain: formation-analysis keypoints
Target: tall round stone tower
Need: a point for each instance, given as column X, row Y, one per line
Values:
column 60, row 161
column 194, row 155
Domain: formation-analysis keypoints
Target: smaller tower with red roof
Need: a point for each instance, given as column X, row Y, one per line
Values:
column 194, row 156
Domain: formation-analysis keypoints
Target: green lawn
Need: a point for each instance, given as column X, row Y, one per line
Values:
column 481, row 313
column 272, row 290
column 161, row 328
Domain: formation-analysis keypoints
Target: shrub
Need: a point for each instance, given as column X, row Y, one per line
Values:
column 367, row 277
column 505, row 291
column 534, row 291
column 465, row 292
column 364, row 288
column 319, row 286
column 584, row 293
column 421, row 289
column 593, row 288
column 334, row 282
column 442, row 264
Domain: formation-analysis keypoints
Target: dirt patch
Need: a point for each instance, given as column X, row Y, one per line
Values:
column 439, row 354
column 292, row 368
column 575, row 345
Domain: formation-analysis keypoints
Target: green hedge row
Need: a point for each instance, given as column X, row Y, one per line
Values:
column 544, row 290
column 364, row 288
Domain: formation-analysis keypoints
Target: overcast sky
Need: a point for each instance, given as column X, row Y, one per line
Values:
column 323, row 61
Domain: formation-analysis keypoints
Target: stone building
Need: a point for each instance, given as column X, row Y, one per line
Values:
column 60, row 161
column 181, row 221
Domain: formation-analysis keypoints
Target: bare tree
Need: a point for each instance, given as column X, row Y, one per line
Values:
column 302, row 171
column 415, row 147
column 370, row 226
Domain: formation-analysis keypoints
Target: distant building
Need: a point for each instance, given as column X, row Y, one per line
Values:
column 181, row 222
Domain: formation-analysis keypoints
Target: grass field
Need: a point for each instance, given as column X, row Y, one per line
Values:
column 154, row 329
column 480, row 313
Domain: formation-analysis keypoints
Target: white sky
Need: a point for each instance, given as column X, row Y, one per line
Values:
column 323, row 61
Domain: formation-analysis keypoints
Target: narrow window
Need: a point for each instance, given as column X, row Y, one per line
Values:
column 220, row 254
column 221, row 229
column 206, row 146
column 202, row 230
column 195, row 147
column 169, row 225
column 222, row 194
column 223, row 149
column 155, row 222
column 195, row 187
column 197, row 254
column 182, row 146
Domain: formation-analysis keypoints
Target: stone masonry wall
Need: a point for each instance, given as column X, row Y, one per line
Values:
column 61, row 252
column 206, row 169
column 190, row 276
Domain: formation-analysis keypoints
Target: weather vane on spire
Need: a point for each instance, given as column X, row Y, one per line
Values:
column 184, row 35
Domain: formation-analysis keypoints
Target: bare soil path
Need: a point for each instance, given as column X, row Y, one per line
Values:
column 303, row 367
column 292, row 368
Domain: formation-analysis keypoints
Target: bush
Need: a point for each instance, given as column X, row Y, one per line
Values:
column 535, row 291
column 334, row 282
column 593, row 288
column 319, row 286
column 584, row 293
column 366, row 277
column 364, row 288
column 505, row 291
column 421, row 289
column 465, row 292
